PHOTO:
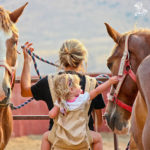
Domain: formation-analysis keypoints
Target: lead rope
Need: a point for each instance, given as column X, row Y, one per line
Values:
column 102, row 76
column 33, row 56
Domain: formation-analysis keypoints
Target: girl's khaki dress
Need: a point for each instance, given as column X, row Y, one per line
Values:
column 72, row 132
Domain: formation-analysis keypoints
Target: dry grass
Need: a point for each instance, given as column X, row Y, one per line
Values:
column 33, row 142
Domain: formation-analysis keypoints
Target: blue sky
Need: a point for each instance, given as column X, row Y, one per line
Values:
column 48, row 23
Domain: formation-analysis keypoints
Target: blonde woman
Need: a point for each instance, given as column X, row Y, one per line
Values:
column 70, row 112
column 73, row 59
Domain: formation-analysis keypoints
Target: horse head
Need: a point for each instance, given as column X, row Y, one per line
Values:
column 8, row 50
column 137, row 45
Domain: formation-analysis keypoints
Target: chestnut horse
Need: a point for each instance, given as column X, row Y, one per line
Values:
column 130, row 60
column 8, row 57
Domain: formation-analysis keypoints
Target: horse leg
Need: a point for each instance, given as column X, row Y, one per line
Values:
column 144, row 86
column 9, row 121
column 132, row 145
column 1, row 139
column 5, row 126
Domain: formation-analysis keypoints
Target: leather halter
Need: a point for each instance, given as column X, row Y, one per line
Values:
column 124, row 70
column 11, row 71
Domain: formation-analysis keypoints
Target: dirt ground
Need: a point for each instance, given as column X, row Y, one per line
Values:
column 33, row 142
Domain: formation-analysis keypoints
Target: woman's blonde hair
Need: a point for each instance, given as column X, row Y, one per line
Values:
column 73, row 54
column 63, row 83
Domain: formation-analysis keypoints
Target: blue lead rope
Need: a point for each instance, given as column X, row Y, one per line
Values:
column 21, row 105
column 105, row 76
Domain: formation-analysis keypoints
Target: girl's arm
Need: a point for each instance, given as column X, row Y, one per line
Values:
column 103, row 87
column 53, row 113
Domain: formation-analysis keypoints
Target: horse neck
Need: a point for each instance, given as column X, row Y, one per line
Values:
column 5, row 112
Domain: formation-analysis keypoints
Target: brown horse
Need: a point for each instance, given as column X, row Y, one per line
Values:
column 130, row 60
column 8, row 57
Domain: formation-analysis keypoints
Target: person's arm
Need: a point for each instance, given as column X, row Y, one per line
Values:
column 53, row 113
column 96, row 107
column 26, row 75
column 103, row 87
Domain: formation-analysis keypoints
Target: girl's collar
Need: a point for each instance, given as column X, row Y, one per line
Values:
column 71, row 100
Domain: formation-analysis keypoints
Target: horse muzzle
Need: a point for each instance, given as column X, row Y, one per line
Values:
column 5, row 92
column 114, row 123
column 5, row 89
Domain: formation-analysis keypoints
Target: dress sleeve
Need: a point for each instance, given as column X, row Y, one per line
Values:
column 40, row 89
column 85, row 96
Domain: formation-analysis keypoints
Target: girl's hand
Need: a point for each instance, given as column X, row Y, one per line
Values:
column 114, row 80
column 26, row 47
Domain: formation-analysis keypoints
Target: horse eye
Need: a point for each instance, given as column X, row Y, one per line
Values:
column 109, row 65
column 15, row 42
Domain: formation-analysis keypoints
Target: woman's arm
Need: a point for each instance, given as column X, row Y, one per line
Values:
column 98, row 116
column 26, row 75
column 103, row 87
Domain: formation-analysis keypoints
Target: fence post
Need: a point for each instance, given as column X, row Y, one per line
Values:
column 115, row 142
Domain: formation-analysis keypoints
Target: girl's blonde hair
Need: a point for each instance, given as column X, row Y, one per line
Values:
column 73, row 54
column 63, row 83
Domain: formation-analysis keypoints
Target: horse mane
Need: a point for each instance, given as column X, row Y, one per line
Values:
column 138, row 31
column 5, row 23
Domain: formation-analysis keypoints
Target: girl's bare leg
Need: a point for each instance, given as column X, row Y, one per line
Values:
column 97, row 140
column 45, row 145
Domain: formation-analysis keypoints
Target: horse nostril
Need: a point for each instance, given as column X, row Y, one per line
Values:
column 109, row 65
column 105, row 116
column 7, row 91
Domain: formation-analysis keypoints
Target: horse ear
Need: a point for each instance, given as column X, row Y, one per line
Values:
column 17, row 13
column 113, row 33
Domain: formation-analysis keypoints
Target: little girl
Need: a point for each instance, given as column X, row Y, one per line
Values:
column 70, row 114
